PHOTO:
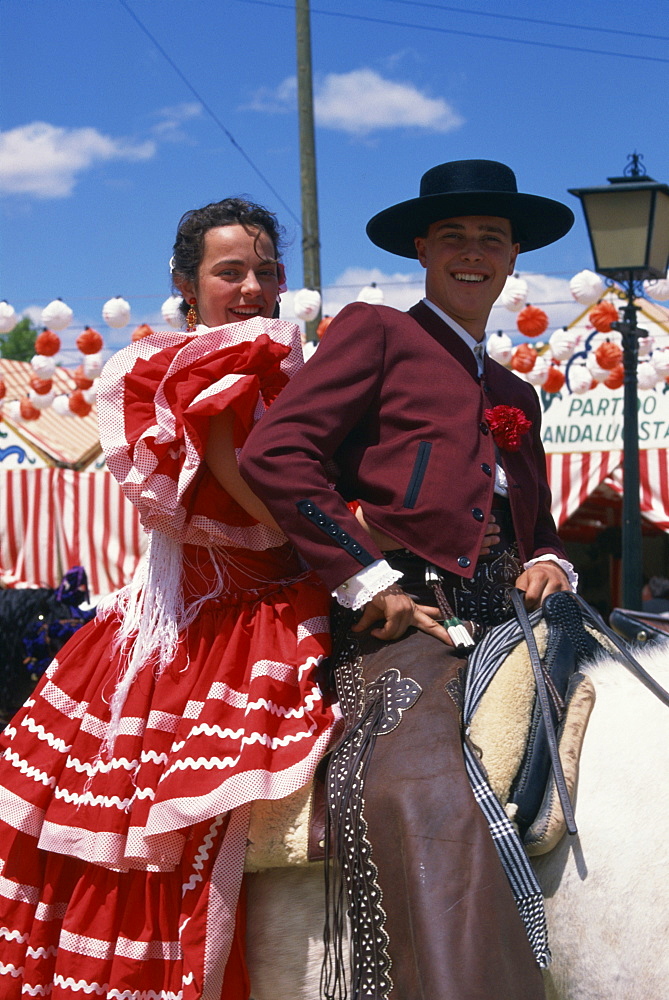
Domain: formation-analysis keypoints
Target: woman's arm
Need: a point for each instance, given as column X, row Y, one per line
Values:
column 221, row 458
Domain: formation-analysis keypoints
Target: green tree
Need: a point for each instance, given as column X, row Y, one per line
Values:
column 19, row 343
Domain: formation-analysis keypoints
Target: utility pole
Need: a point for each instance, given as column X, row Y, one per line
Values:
column 311, row 261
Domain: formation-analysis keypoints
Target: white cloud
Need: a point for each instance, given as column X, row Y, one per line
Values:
column 168, row 128
column 362, row 101
column 45, row 160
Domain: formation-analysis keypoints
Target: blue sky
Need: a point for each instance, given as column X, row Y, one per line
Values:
column 104, row 146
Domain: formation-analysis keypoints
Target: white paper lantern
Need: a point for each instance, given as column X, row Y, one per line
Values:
column 514, row 294
column 172, row 313
column 92, row 365
column 646, row 345
column 57, row 315
column 563, row 344
column 307, row 304
column 539, row 373
column 116, row 312
column 13, row 411
column 580, row 379
column 43, row 366
column 41, row 402
column 61, row 405
column 660, row 362
column 598, row 373
column 371, row 294
column 587, row 287
column 658, row 289
column 646, row 375
column 500, row 348
column 8, row 318
column 90, row 395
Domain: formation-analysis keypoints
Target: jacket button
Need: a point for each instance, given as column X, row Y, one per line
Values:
column 321, row 519
column 486, row 468
column 464, row 562
column 484, row 428
column 308, row 508
column 477, row 514
column 344, row 539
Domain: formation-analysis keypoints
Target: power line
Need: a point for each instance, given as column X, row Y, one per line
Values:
column 210, row 111
column 530, row 20
column 457, row 31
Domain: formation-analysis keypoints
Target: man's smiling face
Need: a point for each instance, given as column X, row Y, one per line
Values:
column 467, row 260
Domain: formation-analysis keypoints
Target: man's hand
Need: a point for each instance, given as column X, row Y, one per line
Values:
column 399, row 613
column 491, row 537
column 540, row 580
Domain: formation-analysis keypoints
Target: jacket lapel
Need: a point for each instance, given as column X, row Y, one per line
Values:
column 445, row 336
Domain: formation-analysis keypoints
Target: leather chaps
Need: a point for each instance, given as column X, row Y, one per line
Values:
column 431, row 911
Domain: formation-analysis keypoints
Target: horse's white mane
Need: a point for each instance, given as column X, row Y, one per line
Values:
column 608, row 671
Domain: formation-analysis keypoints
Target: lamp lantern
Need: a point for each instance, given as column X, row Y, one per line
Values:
column 628, row 226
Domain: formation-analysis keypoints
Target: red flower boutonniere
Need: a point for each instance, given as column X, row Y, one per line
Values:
column 508, row 424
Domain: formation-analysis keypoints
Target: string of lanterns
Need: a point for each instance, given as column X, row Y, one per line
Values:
column 578, row 358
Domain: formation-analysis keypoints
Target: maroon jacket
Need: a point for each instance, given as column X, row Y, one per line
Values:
column 390, row 406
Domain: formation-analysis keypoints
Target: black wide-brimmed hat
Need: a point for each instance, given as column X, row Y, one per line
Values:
column 470, row 187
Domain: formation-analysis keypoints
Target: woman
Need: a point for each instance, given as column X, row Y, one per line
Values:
column 126, row 781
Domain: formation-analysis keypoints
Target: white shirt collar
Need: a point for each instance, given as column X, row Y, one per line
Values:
column 477, row 347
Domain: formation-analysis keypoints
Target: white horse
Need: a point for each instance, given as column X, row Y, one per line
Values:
column 607, row 890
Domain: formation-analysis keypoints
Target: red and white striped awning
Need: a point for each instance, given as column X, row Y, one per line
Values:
column 52, row 519
column 575, row 475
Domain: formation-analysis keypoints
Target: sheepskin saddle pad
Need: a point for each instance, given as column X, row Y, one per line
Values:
column 506, row 728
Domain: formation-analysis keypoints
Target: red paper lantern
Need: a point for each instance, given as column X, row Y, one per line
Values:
column 554, row 380
column 608, row 355
column 90, row 341
column 323, row 325
column 532, row 321
column 3, row 389
column 143, row 330
column 47, row 343
column 524, row 358
column 27, row 410
column 41, row 385
column 602, row 316
column 78, row 404
column 615, row 379
column 81, row 380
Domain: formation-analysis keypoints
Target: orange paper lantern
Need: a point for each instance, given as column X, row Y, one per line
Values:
column 47, row 343
column 554, row 380
column 615, row 379
column 81, row 380
column 78, row 404
column 90, row 341
column 608, row 355
column 27, row 410
column 532, row 321
column 323, row 325
column 602, row 316
column 41, row 385
column 143, row 330
column 524, row 358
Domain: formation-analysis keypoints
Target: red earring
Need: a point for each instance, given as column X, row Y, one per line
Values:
column 191, row 318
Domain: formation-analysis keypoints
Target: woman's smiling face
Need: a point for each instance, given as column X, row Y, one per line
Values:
column 237, row 277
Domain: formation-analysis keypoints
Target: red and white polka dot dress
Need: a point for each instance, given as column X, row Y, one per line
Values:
column 122, row 858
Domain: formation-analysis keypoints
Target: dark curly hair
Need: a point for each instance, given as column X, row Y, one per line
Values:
column 189, row 244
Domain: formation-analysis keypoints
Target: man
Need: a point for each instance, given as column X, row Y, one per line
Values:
column 439, row 448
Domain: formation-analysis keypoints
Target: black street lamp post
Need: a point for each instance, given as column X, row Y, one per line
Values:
column 628, row 226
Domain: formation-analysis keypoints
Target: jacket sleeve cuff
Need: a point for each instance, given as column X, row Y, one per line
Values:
column 360, row 588
column 572, row 575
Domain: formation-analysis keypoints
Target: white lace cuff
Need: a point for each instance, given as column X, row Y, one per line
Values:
column 572, row 575
column 359, row 589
